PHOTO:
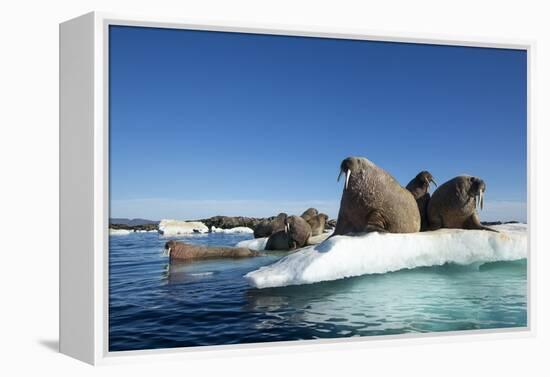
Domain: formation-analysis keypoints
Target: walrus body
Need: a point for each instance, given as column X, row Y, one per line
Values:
column 278, row 241
column 373, row 201
column 453, row 204
column 317, row 224
column 317, row 221
column 299, row 231
column 180, row 251
column 267, row 227
column 419, row 187
column 293, row 236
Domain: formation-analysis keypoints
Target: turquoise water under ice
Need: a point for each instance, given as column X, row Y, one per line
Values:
column 153, row 304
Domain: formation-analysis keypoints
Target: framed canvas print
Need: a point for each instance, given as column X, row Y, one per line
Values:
column 227, row 187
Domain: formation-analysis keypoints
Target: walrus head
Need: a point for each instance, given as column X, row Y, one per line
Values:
column 476, row 190
column 348, row 167
column 169, row 246
column 426, row 177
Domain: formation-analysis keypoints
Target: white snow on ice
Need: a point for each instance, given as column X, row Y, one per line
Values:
column 239, row 229
column 175, row 227
column 374, row 253
column 119, row 232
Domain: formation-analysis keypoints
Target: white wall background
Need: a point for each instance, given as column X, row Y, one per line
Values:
column 29, row 184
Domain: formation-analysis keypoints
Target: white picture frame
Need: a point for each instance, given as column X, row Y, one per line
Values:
column 84, row 188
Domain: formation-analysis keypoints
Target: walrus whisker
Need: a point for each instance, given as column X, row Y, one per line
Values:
column 348, row 174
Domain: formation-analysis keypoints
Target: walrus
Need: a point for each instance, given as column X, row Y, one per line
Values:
column 309, row 213
column 419, row 187
column 295, row 235
column 180, row 251
column 279, row 240
column 373, row 201
column 317, row 223
column 268, row 227
column 453, row 204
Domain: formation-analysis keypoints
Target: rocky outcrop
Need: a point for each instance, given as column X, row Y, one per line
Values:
column 135, row 228
column 498, row 222
column 229, row 222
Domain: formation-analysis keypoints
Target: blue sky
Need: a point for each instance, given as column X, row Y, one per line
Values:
column 207, row 123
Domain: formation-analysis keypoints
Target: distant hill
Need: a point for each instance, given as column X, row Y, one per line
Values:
column 132, row 222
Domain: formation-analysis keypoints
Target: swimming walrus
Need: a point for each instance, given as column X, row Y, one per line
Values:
column 419, row 187
column 180, row 251
column 373, row 201
column 453, row 204
column 268, row 227
column 295, row 235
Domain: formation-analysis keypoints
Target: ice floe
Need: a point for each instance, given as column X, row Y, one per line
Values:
column 374, row 253
column 257, row 244
column 175, row 227
column 239, row 229
column 119, row 232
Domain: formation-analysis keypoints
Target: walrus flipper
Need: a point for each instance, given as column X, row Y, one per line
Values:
column 375, row 223
column 375, row 228
column 474, row 223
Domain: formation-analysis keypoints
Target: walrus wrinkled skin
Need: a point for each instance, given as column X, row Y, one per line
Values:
column 419, row 188
column 373, row 201
column 453, row 204
column 267, row 227
column 295, row 235
column 180, row 251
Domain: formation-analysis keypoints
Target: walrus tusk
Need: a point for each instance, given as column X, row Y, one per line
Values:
column 433, row 181
column 480, row 199
column 348, row 174
column 166, row 252
column 339, row 175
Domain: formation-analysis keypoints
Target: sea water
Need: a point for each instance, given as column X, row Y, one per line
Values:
column 155, row 304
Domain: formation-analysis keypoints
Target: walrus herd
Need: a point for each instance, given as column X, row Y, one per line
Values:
column 372, row 201
column 297, row 230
